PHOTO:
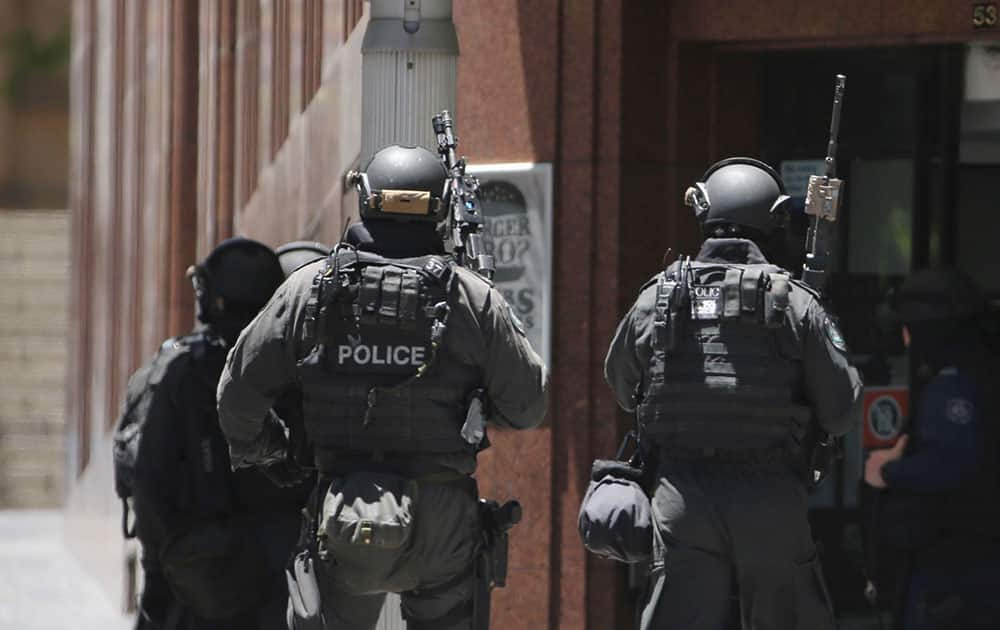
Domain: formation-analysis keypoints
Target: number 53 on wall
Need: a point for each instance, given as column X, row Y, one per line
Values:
column 985, row 15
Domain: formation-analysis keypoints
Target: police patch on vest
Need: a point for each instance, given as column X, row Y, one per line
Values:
column 706, row 301
column 396, row 355
column 363, row 354
column 959, row 411
column 834, row 334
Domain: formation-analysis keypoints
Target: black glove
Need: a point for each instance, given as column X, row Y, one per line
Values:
column 269, row 447
column 285, row 474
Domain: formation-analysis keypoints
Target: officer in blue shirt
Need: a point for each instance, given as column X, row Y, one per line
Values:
column 940, row 481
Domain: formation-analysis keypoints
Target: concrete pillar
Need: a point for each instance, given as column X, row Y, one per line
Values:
column 409, row 62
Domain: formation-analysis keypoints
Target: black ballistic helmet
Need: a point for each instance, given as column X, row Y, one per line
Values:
column 402, row 184
column 235, row 280
column 299, row 254
column 742, row 192
column 936, row 294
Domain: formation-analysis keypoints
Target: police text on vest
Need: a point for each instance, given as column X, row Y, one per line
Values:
column 363, row 354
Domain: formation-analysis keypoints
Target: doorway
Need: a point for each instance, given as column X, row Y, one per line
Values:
column 921, row 160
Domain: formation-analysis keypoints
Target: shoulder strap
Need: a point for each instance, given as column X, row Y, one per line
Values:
column 803, row 286
column 776, row 300
column 752, row 289
column 732, row 293
column 661, row 317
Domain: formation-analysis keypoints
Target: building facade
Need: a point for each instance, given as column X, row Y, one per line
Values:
column 195, row 120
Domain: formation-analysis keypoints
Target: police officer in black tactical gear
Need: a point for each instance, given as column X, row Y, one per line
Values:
column 214, row 541
column 731, row 365
column 941, row 501
column 401, row 357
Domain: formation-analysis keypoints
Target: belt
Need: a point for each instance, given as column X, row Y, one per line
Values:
column 750, row 456
column 338, row 463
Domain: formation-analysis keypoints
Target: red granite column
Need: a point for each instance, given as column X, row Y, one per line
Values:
column 507, row 86
column 586, row 262
column 81, row 206
column 183, row 163
column 605, row 587
column 225, row 188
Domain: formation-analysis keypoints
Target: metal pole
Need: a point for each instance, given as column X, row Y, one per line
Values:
column 409, row 64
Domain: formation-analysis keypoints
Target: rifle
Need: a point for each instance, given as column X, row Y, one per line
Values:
column 465, row 216
column 823, row 196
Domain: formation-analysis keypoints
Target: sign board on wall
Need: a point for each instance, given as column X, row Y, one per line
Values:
column 517, row 204
column 884, row 410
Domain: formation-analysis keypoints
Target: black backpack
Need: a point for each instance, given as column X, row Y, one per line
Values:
column 128, row 431
column 205, row 546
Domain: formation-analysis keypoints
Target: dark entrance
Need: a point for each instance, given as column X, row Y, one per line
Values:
column 921, row 163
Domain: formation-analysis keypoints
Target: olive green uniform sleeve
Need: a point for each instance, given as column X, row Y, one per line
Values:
column 262, row 364
column 832, row 385
column 514, row 376
column 632, row 348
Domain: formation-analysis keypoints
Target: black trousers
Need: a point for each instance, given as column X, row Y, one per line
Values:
column 276, row 533
column 723, row 525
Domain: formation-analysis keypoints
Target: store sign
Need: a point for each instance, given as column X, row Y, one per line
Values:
column 795, row 174
column 517, row 205
column 985, row 15
column 884, row 412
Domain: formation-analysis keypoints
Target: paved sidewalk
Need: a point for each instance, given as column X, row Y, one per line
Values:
column 42, row 587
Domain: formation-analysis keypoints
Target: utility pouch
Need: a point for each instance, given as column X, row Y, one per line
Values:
column 365, row 527
column 366, row 511
column 616, row 520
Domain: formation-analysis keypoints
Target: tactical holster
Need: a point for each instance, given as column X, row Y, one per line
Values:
column 491, row 562
column 824, row 449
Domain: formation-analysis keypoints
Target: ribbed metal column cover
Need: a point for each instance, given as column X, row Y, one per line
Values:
column 409, row 62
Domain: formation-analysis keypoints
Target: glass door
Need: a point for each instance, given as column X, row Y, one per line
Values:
column 898, row 154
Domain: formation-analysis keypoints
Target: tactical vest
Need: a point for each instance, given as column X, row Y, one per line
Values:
column 717, row 377
column 373, row 381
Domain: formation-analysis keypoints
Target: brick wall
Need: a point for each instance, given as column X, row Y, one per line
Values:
column 34, row 274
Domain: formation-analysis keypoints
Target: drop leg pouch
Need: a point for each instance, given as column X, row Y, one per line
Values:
column 365, row 525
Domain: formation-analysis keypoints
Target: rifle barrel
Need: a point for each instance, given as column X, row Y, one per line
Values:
column 831, row 147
